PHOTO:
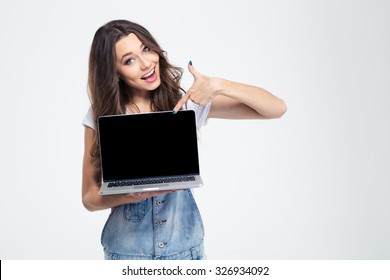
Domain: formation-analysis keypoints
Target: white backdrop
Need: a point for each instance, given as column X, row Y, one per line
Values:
column 311, row 185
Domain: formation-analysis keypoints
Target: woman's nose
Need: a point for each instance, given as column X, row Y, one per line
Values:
column 145, row 63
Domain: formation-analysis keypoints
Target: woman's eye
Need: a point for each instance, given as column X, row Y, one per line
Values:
column 146, row 50
column 129, row 61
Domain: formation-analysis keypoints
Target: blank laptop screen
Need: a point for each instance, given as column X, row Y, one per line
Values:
column 148, row 145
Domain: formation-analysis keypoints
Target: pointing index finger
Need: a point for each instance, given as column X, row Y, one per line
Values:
column 181, row 102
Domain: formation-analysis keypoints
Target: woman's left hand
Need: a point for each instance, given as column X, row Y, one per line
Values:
column 203, row 90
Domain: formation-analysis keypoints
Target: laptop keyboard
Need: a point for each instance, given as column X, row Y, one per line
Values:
column 151, row 181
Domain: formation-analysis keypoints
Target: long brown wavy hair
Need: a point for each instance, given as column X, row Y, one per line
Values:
column 109, row 96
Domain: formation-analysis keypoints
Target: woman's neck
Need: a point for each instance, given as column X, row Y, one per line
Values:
column 140, row 102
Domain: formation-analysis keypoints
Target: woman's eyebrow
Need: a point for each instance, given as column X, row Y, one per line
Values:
column 129, row 53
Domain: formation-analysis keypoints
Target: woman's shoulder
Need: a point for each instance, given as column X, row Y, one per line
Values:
column 88, row 120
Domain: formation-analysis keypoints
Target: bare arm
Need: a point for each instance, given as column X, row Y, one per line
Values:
column 240, row 101
column 91, row 198
column 232, row 100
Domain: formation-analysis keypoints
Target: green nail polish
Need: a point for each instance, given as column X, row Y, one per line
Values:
column 190, row 63
column 174, row 112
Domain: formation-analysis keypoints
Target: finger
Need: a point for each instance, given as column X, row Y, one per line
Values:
column 192, row 70
column 181, row 102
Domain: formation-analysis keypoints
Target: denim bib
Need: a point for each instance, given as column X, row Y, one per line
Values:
column 163, row 227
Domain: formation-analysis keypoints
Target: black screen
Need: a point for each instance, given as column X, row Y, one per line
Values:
column 148, row 145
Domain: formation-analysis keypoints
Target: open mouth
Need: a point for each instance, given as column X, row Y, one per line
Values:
column 148, row 75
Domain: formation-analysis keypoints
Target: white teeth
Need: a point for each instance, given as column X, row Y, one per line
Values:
column 148, row 75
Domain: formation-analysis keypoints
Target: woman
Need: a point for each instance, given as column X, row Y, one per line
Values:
column 129, row 73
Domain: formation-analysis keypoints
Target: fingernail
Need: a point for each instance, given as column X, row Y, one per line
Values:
column 174, row 112
column 190, row 63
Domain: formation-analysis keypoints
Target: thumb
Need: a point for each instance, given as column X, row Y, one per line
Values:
column 192, row 70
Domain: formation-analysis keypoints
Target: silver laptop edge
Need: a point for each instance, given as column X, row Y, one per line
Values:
column 105, row 190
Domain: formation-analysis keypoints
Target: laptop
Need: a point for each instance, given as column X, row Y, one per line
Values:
column 149, row 152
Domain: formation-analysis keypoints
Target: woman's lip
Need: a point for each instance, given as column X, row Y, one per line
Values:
column 151, row 78
column 149, row 74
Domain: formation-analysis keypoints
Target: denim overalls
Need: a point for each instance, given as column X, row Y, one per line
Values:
column 165, row 227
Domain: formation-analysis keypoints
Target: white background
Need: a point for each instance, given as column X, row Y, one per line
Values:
column 311, row 185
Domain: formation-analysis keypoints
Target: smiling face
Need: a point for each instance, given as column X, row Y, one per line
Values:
column 137, row 65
